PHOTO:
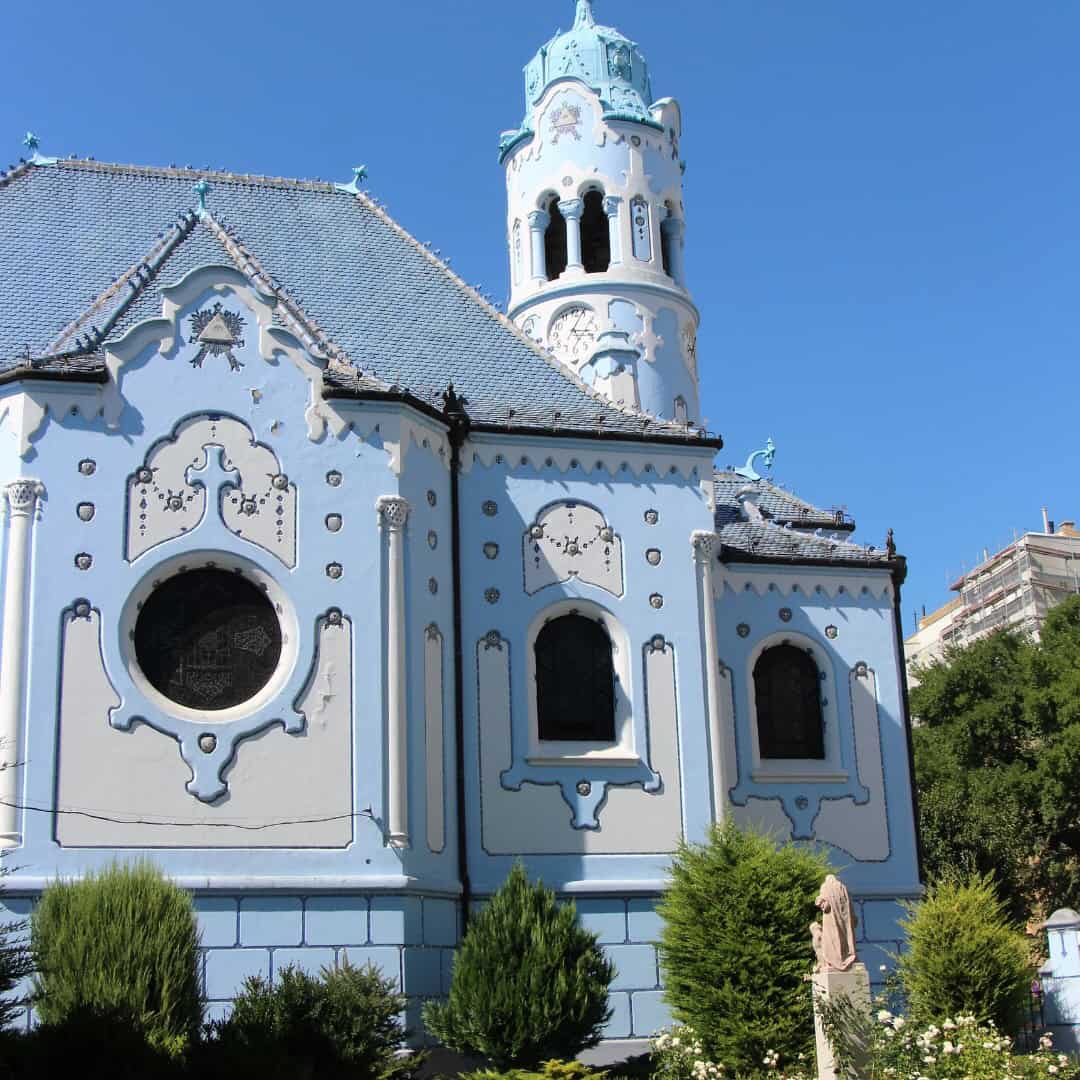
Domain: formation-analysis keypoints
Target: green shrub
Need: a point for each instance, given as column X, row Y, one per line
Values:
column 345, row 1022
column 529, row 983
column 15, row 964
column 964, row 955
column 121, row 944
column 548, row 1070
column 736, row 945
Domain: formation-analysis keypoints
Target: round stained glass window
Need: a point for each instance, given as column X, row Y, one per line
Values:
column 208, row 639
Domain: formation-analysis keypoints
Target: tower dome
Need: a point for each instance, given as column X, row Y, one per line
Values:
column 596, row 221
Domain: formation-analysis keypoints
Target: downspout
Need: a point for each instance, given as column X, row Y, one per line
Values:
column 899, row 576
column 458, row 424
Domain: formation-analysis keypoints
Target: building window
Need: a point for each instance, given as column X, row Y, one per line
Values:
column 595, row 235
column 208, row 639
column 555, row 240
column 666, row 240
column 787, row 688
column 575, row 681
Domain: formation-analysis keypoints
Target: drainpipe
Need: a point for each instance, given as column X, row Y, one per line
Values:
column 458, row 423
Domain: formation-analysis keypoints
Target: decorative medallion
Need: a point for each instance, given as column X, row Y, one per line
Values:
column 87, row 467
column 432, row 539
column 492, row 596
column 207, row 743
column 802, row 802
column 432, row 498
column 491, row 508
column 334, row 522
column 86, row 511
column 689, row 336
column 619, row 61
column 584, row 788
column 657, row 601
column 566, row 120
column 217, row 331
column 84, row 561
column 491, row 550
column 334, row 478
column 653, row 556
column 334, row 571
column 82, row 609
column 433, row 586
column 658, row 643
column 743, row 630
column 785, row 614
column 652, row 517
column 531, row 328
column 832, row 632
column 493, row 640
column 334, row 617
column 862, row 669
column 635, row 140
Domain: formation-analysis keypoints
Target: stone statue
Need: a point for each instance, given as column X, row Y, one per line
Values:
column 834, row 937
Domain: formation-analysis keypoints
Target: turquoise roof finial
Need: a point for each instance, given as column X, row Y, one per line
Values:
column 353, row 187
column 31, row 142
column 585, row 15
column 202, row 189
column 767, row 455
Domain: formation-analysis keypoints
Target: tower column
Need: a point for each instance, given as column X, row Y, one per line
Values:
column 539, row 220
column 572, row 209
column 393, row 516
column 704, row 544
column 612, row 205
column 22, row 498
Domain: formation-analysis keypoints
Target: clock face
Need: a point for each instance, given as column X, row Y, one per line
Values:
column 573, row 334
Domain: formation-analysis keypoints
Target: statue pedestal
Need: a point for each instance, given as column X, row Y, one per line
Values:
column 829, row 986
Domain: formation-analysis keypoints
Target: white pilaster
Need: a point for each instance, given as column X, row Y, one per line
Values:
column 704, row 544
column 22, row 498
column 572, row 210
column 539, row 220
column 612, row 204
column 393, row 516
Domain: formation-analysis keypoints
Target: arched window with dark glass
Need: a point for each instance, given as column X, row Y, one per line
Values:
column 555, row 240
column 595, row 235
column 575, row 681
column 787, row 688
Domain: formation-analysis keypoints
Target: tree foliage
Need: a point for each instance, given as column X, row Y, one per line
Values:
column 997, row 750
column 735, row 947
column 529, row 983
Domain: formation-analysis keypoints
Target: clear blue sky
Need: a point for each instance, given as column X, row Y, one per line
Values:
column 883, row 203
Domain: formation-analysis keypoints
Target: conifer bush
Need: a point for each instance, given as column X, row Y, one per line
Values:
column 964, row 955
column 736, row 945
column 15, row 963
column 529, row 983
column 121, row 944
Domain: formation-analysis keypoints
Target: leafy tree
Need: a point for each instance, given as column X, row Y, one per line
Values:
column 529, row 983
column 735, row 947
column 997, row 750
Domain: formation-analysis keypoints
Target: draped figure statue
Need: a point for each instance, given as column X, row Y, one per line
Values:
column 834, row 937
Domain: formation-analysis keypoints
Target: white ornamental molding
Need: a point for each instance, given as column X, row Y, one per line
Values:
column 572, row 540
column 393, row 512
column 806, row 581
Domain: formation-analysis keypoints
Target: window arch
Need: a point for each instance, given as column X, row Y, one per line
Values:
column 555, row 240
column 787, row 691
column 667, row 239
column 575, row 681
column 595, row 234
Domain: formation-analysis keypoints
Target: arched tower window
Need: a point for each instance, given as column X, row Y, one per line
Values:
column 666, row 240
column 595, row 235
column 575, row 681
column 555, row 240
column 787, row 689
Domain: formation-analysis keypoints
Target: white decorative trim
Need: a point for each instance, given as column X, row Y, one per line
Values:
column 393, row 517
column 395, row 433
column 433, row 740
column 22, row 497
column 572, row 540
column 26, row 411
column 704, row 546
column 807, row 580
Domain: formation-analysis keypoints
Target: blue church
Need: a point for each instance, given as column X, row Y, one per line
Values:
column 302, row 604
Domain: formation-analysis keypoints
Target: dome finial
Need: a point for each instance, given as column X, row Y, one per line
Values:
column 584, row 14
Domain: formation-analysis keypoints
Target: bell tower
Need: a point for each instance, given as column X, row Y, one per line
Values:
column 596, row 222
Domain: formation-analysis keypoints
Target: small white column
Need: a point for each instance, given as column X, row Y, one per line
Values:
column 393, row 516
column 539, row 220
column 572, row 210
column 22, row 498
column 704, row 544
column 612, row 205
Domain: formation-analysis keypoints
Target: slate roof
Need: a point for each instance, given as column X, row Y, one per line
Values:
column 86, row 246
column 775, row 503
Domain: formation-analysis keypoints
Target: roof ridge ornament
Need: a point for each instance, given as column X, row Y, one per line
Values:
column 33, row 144
column 360, row 173
column 202, row 189
column 767, row 455
column 585, row 15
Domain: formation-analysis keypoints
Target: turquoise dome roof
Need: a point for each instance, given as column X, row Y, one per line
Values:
column 600, row 57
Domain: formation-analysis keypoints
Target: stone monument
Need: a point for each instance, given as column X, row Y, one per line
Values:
column 838, row 972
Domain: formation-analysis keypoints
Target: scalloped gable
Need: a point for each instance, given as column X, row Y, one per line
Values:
column 362, row 283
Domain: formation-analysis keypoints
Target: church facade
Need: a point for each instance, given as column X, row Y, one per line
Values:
column 332, row 590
